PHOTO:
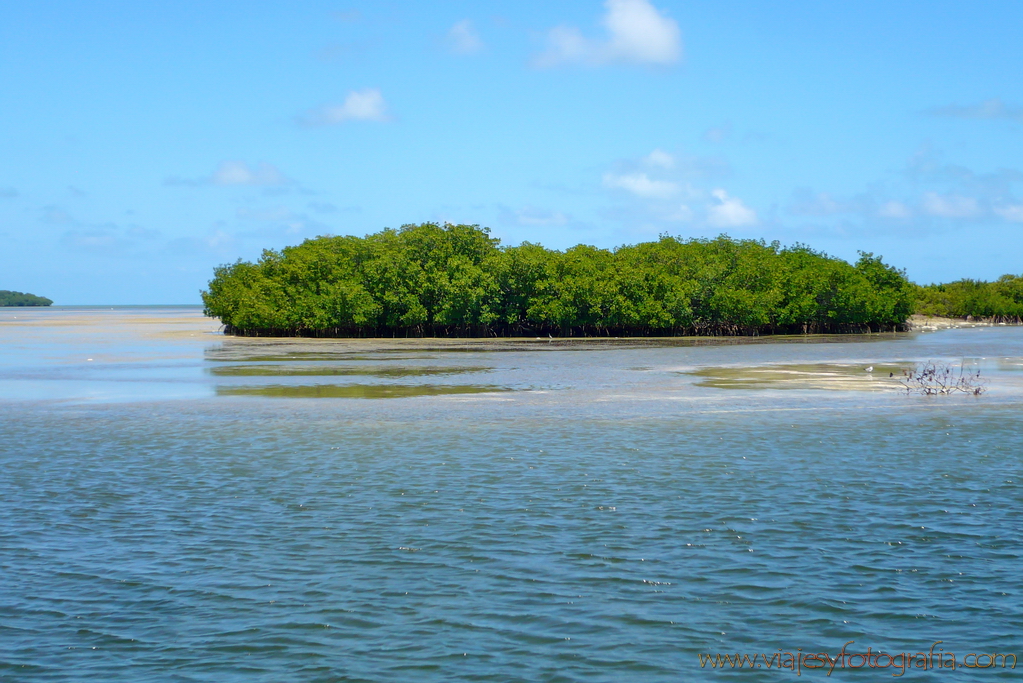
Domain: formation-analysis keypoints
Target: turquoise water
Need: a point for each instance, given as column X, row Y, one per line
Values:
column 601, row 515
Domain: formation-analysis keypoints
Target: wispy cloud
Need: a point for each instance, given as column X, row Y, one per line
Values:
column 672, row 187
column 271, row 214
column 807, row 203
column 678, row 214
column 988, row 109
column 240, row 173
column 533, row 216
column 950, row 206
column 99, row 238
column 235, row 173
column 660, row 159
column 931, row 196
column 718, row 133
column 870, row 204
column 1011, row 212
column 894, row 209
column 323, row 207
column 216, row 241
column 347, row 16
column 462, row 38
column 927, row 167
column 641, row 185
column 663, row 175
column 274, row 222
column 338, row 51
column 56, row 215
column 637, row 33
column 359, row 105
column 108, row 238
column 96, row 240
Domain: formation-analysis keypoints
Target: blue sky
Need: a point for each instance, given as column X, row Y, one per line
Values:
column 143, row 143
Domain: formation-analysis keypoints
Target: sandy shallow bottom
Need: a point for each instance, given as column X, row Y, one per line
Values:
column 823, row 376
column 152, row 354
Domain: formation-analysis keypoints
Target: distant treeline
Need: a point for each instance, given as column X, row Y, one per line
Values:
column 9, row 298
column 1001, row 300
column 456, row 280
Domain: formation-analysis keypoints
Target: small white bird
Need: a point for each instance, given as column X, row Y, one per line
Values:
column 870, row 369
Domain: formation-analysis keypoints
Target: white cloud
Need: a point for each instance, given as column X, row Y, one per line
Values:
column 240, row 173
column 530, row 215
column 730, row 212
column 219, row 238
column 950, row 206
column 462, row 38
column 96, row 239
column 681, row 214
column 637, row 33
column 660, row 158
column 665, row 188
column 807, row 203
column 1011, row 212
column 641, row 185
column 273, row 214
column 359, row 105
column 718, row 133
column 894, row 209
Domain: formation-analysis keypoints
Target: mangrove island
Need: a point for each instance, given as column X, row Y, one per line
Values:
column 9, row 298
column 457, row 280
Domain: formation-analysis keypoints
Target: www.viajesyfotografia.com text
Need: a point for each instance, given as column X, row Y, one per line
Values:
column 899, row 663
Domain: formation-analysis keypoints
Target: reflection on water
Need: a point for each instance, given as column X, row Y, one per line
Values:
column 341, row 371
column 356, row 390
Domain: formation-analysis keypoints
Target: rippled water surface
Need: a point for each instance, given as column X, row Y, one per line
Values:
column 180, row 506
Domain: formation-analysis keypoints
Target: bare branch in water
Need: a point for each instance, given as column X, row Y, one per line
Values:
column 942, row 379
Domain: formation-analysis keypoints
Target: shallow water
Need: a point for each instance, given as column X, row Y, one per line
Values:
column 596, row 514
column 320, row 370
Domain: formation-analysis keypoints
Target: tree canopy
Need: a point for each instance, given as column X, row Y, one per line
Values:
column 457, row 280
column 1000, row 300
column 9, row 298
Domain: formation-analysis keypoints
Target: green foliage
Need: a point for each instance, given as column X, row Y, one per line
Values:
column 434, row 279
column 1001, row 300
column 9, row 298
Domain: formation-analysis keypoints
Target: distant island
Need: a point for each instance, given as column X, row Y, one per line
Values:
column 456, row 280
column 9, row 298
